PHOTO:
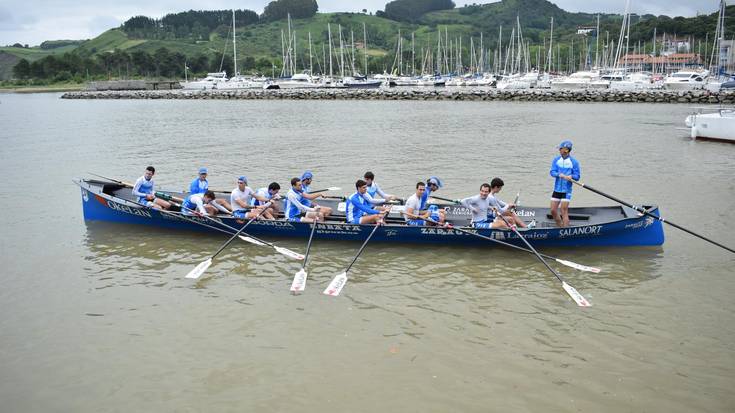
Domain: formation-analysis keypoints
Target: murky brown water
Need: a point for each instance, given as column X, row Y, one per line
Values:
column 99, row 317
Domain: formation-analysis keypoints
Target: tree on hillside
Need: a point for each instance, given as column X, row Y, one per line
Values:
column 412, row 10
column 279, row 9
column 22, row 70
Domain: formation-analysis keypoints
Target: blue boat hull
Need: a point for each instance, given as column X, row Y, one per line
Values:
column 630, row 231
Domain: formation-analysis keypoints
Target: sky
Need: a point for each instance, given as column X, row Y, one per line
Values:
column 33, row 21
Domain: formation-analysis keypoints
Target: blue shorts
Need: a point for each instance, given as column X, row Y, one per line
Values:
column 297, row 218
column 482, row 224
column 240, row 213
column 416, row 222
column 356, row 220
column 434, row 212
column 561, row 196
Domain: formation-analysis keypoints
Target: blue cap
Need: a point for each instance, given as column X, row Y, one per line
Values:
column 307, row 175
column 202, row 170
column 435, row 180
column 242, row 178
column 566, row 144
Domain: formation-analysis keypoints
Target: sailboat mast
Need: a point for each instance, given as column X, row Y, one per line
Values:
column 364, row 46
column 234, row 46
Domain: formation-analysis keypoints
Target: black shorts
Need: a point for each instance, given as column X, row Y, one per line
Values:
column 561, row 196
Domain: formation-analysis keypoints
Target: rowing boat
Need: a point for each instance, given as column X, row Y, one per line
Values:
column 589, row 226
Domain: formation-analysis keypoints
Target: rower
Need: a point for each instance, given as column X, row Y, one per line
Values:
column 295, row 208
column 358, row 207
column 306, row 179
column 201, row 185
column 143, row 189
column 412, row 211
column 432, row 185
column 373, row 190
column 500, row 207
column 240, row 199
column 265, row 195
column 195, row 204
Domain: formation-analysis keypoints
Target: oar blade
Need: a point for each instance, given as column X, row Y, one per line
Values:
column 251, row 240
column 199, row 269
column 578, row 266
column 287, row 252
column 299, row 281
column 334, row 188
column 335, row 287
column 576, row 296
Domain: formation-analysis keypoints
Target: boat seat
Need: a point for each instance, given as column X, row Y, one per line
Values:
column 578, row 217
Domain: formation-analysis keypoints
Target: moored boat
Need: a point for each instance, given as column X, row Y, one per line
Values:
column 591, row 226
column 715, row 125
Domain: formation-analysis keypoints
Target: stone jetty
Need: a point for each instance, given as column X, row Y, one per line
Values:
column 455, row 94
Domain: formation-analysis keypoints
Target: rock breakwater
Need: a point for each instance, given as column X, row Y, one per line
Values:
column 533, row 95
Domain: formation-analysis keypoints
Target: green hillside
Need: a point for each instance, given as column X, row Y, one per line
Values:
column 259, row 44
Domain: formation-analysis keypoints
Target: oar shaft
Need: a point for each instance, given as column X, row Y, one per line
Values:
column 308, row 244
column 454, row 201
column 643, row 211
column 362, row 247
column 239, row 231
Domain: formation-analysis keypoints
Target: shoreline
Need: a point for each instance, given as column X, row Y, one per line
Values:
column 43, row 89
column 445, row 94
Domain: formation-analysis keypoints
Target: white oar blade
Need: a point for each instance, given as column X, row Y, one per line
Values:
column 251, row 240
column 199, row 269
column 336, row 285
column 334, row 188
column 287, row 252
column 578, row 266
column 576, row 296
column 299, row 281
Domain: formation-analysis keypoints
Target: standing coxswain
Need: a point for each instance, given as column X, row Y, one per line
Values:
column 564, row 169
column 145, row 192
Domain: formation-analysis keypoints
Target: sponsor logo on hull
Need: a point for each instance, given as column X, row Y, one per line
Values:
column 128, row 210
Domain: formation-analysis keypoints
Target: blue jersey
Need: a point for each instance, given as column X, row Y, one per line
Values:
column 142, row 188
column 262, row 192
column 567, row 166
column 295, row 205
column 357, row 207
column 198, row 187
column 424, row 198
column 305, row 190
column 193, row 202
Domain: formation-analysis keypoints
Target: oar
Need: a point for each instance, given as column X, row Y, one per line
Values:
column 162, row 195
column 199, row 269
column 454, row 201
column 645, row 212
column 251, row 239
column 340, row 279
column 507, row 244
column 299, row 279
column 576, row 296
column 331, row 188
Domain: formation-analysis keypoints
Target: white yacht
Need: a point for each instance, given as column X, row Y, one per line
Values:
column 516, row 81
column 301, row 81
column 636, row 81
column 581, row 80
column 686, row 80
column 714, row 125
column 213, row 81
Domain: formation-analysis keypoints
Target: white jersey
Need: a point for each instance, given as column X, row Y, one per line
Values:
column 414, row 203
column 244, row 197
column 142, row 188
